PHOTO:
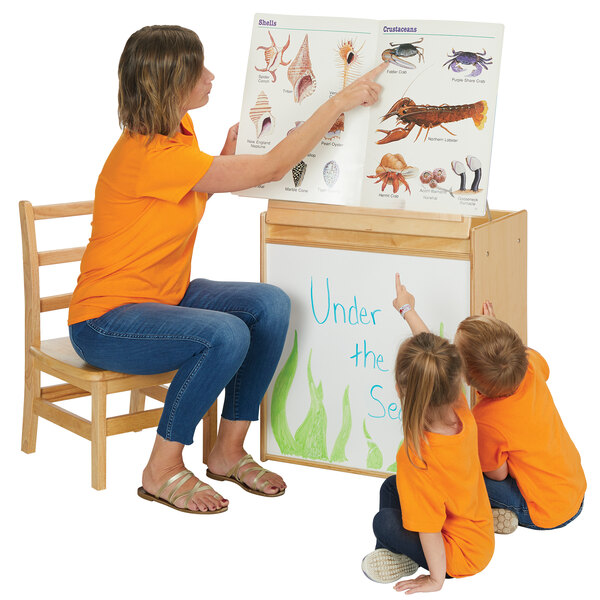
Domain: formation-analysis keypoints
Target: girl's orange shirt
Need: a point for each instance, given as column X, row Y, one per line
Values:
column 525, row 431
column 446, row 494
column 144, row 224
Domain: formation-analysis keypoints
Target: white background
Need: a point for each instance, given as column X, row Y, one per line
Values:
column 59, row 86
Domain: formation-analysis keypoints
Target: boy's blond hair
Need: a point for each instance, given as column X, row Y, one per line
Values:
column 494, row 357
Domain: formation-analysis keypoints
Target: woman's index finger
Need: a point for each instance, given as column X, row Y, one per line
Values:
column 374, row 73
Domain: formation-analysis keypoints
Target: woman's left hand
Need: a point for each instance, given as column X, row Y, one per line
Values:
column 231, row 141
column 422, row 583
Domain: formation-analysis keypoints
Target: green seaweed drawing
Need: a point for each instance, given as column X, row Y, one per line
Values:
column 374, row 457
column 279, row 422
column 338, row 454
column 311, row 436
column 442, row 329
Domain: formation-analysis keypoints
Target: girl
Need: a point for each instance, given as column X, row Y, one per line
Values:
column 435, row 512
column 135, row 310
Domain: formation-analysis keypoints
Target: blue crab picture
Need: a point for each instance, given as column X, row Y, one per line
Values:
column 457, row 59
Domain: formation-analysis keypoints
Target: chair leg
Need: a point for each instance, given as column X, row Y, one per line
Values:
column 137, row 403
column 209, row 431
column 99, row 435
column 32, row 393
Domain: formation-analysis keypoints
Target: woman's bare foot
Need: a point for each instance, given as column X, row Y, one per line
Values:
column 229, row 450
column 165, row 462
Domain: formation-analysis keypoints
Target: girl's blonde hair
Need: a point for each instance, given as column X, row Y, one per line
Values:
column 494, row 355
column 158, row 69
column 428, row 376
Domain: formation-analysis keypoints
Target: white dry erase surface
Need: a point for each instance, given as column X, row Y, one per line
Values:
column 425, row 146
column 332, row 401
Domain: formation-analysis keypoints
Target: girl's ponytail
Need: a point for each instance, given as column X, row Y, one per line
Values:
column 428, row 377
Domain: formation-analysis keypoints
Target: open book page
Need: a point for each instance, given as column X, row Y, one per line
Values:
column 430, row 135
column 295, row 64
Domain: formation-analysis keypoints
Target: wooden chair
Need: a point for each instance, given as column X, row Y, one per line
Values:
column 57, row 357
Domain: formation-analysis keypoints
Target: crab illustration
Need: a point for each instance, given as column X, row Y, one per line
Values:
column 468, row 58
column 273, row 57
column 393, row 170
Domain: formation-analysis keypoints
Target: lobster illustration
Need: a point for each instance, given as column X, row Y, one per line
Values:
column 427, row 117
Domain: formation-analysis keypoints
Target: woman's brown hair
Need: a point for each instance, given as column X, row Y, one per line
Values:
column 158, row 69
column 428, row 376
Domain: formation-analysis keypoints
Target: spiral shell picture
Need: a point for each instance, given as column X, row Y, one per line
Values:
column 348, row 59
column 261, row 116
column 301, row 75
column 331, row 172
column 335, row 131
column 298, row 173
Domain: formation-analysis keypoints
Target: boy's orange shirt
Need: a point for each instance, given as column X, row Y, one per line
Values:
column 144, row 224
column 449, row 496
column 525, row 431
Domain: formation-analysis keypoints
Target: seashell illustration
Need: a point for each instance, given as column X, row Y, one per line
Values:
column 348, row 60
column 331, row 172
column 298, row 123
column 262, row 117
column 273, row 57
column 298, row 173
column 301, row 75
column 337, row 128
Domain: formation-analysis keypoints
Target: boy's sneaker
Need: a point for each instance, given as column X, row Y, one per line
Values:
column 384, row 566
column 505, row 521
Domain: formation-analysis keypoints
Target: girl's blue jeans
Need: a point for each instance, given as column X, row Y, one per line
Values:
column 221, row 335
column 506, row 494
column 389, row 530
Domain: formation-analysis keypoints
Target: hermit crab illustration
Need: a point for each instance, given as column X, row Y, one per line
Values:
column 468, row 58
column 398, row 52
column 393, row 170
column 273, row 57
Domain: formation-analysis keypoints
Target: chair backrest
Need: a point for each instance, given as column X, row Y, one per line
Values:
column 33, row 260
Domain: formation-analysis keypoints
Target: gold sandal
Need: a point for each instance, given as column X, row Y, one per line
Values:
column 183, row 476
column 234, row 476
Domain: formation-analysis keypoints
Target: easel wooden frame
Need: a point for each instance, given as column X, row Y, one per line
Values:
column 496, row 248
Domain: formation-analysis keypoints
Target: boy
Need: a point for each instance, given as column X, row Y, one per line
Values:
column 532, row 469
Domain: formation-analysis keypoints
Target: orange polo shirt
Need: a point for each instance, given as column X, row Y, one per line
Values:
column 449, row 496
column 525, row 431
column 144, row 224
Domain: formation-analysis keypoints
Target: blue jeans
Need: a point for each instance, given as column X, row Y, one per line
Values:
column 506, row 494
column 221, row 335
column 388, row 528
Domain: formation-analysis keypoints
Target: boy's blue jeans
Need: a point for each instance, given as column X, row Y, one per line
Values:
column 506, row 494
column 221, row 335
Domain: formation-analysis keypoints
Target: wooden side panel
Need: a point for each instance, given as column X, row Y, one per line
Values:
column 499, row 269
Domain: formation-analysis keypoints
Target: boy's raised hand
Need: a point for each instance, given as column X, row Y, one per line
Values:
column 402, row 295
column 488, row 309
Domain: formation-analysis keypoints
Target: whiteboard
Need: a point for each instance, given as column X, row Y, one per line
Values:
column 332, row 401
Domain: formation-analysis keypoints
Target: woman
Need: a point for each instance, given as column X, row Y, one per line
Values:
column 135, row 310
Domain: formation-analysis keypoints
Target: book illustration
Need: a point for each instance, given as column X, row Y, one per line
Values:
column 301, row 75
column 298, row 173
column 434, row 178
column 427, row 117
column 335, row 131
column 273, row 57
column 261, row 116
column 468, row 58
column 331, row 172
column 349, row 60
column 474, row 165
column 398, row 52
column 393, row 170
